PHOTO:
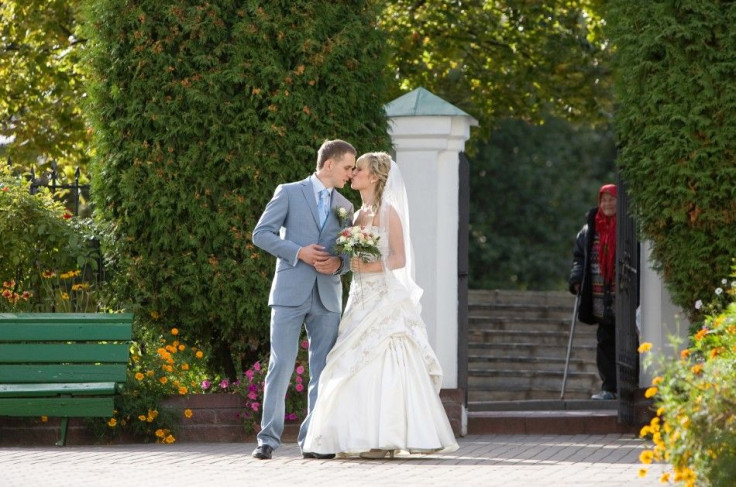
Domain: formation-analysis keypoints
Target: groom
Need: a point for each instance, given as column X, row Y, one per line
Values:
column 299, row 227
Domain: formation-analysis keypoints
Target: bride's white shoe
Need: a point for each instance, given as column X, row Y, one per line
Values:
column 376, row 454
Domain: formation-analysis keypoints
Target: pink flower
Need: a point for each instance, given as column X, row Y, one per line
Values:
column 290, row 417
column 252, row 395
column 249, row 374
column 224, row 384
column 305, row 344
column 257, row 366
column 298, row 379
column 206, row 384
column 255, row 406
column 299, row 387
column 300, row 369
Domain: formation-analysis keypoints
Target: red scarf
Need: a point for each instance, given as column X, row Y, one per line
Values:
column 605, row 227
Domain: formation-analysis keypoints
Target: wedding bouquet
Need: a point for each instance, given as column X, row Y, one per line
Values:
column 358, row 241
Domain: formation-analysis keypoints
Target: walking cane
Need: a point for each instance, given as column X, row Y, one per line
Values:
column 569, row 345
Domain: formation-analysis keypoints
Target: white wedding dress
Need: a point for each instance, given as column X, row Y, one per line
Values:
column 380, row 387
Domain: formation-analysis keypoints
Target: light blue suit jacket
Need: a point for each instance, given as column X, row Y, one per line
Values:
column 294, row 208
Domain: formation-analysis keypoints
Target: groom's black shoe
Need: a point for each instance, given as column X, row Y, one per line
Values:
column 318, row 456
column 263, row 452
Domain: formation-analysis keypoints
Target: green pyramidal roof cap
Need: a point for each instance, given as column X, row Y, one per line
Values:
column 421, row 102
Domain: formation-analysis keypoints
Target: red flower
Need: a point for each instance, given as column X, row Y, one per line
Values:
column 67, row 215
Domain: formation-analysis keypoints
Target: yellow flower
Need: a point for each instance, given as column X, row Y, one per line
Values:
column 174, row 331
column 160, row 433
column 645, row 431
column 170, row 439
column 651, row 392
column 697, row 369
column 149, row 373
column 154, row 314
column 644, row 347
column 642, row 472
column 142, row 417
column 199, row 354
column 139, row 376
column 182, row 348
column 112, row 423
column 664, row 478
column 657, row 380
column 65, row 296
column 646, row 456
column 163, row 380
column 184, row 366
column 44, row 419
column 188, row 413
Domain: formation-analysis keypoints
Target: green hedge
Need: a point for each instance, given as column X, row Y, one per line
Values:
column 675, row 68
column 199, row 110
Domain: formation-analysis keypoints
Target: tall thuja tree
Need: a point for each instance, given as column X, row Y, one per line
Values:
column 675, row 67
column 199, row 110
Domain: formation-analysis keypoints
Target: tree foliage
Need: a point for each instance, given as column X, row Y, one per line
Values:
column 199, row 111
column 503, row 59
column 675, row 70
column 530, row 188
column 42, row 85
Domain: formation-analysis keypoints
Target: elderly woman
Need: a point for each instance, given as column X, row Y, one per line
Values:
column 593, row 279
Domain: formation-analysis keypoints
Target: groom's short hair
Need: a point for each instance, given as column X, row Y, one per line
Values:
column 333, row 149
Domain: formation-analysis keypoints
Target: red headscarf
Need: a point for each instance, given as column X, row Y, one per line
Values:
column 605, row 227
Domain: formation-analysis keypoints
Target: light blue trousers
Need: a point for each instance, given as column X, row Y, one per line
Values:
column 286, row 326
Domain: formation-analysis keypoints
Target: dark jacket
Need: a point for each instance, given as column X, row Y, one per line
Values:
column 580, row 272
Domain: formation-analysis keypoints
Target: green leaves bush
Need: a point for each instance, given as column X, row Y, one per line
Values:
column 674, row 70
column 199, row 110
column 42, row 242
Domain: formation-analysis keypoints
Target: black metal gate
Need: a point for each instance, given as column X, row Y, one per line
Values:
column 627, row 302
column 462, row 274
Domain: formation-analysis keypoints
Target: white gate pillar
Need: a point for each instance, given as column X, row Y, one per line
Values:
column 428, row 135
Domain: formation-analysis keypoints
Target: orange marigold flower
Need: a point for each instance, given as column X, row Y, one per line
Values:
column 715, row 352
column 657, row 380
column 170, row 439
column 697, row 369
column 160, row 433
column 188, row 413
column 199, row 354
column 700, row 334
column 183, row 390
column 142, row 417
column 139, row 376
column 644, row 347
column 174, row 331
column 163, row 380
column 685, row 354
column 48, row 274
column 44, row 419
column 184, row 366
column 651, row 392
column 112, row 423
column 646, row 456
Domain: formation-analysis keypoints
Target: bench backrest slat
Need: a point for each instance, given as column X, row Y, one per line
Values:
column 13, row 329
column 41, row 373
column 24, row 353
column 63, row 388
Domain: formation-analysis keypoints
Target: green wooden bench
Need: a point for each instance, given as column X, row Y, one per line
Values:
column 62, row 364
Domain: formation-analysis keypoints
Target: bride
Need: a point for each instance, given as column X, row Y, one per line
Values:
column 378, row 393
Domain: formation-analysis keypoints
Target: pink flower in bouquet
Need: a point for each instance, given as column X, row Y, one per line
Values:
column 300, row 369
column 299, row 387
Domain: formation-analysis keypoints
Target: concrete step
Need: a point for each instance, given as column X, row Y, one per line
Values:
column 498, row 296
column 585, row 351
column 548, row 422
column 554, row 364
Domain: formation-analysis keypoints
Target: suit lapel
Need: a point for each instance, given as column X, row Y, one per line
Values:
column 308, row 192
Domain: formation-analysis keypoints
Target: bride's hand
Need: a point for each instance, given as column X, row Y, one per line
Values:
column 356, row 264
column 359, row 265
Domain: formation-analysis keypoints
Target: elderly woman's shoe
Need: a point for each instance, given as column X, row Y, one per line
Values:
column 375, row 454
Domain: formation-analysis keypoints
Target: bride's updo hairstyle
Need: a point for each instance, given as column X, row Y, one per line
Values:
column 378, row 164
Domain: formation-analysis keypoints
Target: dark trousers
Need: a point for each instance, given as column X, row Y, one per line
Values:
column 605, row 356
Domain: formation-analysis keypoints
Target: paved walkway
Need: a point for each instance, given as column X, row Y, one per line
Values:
column 482, row 460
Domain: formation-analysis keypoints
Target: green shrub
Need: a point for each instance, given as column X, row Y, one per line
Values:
column 49, row 262
column 199, row 110
column 674, row 69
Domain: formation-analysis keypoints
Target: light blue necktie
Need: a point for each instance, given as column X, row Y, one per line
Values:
column 323, row 207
